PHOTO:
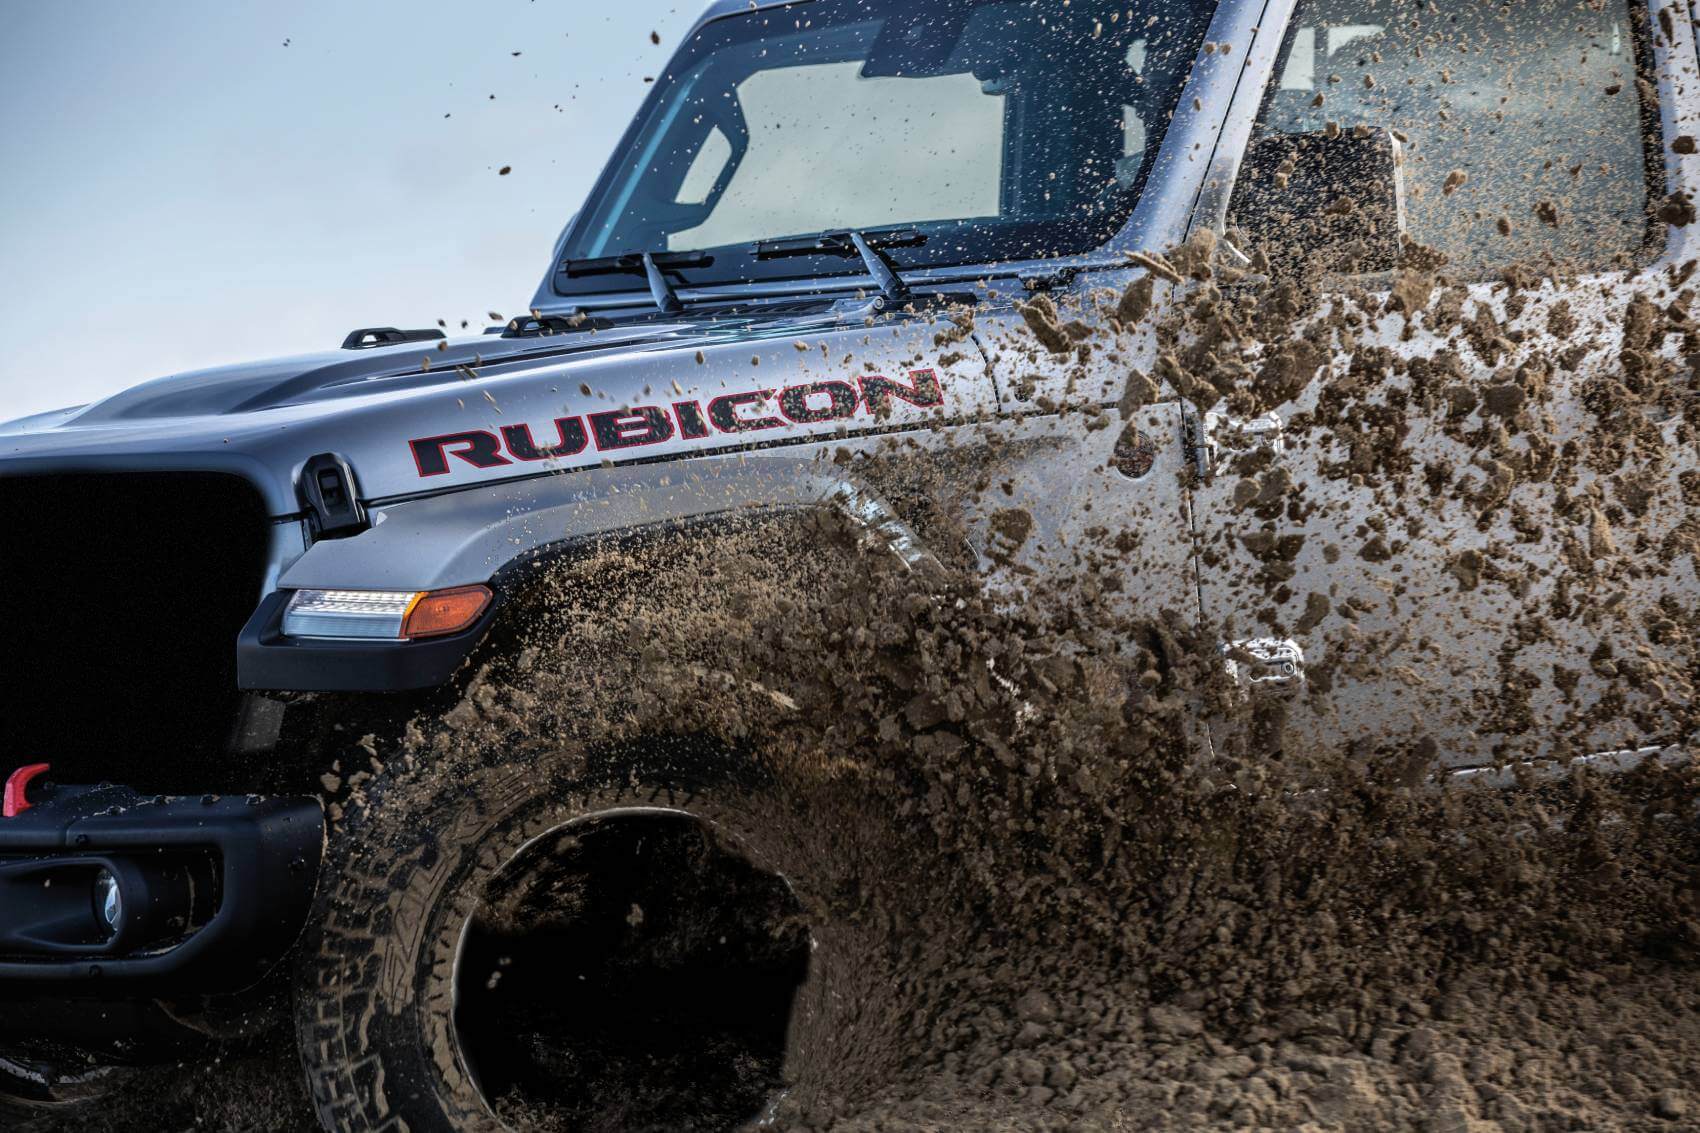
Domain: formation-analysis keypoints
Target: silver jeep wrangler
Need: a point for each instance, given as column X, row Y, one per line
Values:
column 837, row 226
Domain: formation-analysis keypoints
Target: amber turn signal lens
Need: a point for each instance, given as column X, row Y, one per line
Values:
column 445, row 611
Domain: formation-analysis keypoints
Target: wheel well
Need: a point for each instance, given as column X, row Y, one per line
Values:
column 326, row 737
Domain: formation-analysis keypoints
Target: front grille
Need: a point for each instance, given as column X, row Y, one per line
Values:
column 121, row 596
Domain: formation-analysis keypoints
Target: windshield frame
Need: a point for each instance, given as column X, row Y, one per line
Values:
column 1158, row 211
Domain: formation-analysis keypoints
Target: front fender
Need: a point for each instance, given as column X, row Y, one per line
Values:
column 488, row 534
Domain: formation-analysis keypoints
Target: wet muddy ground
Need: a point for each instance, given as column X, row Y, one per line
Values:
column 1613, row 1049
column 1607, row 1050
column 1519, row 1034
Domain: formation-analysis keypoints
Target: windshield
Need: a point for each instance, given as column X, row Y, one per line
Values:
column 989, row 131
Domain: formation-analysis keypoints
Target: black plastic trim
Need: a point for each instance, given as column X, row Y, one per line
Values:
column 268, row 852
column 368, row 337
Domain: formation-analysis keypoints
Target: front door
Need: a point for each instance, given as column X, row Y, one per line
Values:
column 1464, row 490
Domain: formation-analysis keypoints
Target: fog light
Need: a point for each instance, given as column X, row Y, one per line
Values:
column 108, row 901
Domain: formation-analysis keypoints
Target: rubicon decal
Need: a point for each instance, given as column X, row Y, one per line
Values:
column 734, row 414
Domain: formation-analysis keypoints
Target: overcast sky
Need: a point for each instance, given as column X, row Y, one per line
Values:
column 196, row 182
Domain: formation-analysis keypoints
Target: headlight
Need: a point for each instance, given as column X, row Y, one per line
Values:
column 383, row 615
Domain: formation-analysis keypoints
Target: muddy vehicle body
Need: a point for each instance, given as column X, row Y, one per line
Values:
column 837, row 228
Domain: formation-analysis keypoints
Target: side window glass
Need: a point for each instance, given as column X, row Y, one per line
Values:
column 1520, row 127
column 1135, row 137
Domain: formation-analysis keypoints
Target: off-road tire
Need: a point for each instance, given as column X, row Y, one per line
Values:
column 38, row 1096
column 374, row 999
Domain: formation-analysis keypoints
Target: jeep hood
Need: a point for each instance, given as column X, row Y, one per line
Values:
column 415, row 419
column 330, row 375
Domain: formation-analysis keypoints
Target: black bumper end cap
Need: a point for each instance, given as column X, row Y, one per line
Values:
column 268, row 853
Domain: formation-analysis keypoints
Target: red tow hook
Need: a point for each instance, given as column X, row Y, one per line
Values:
column 16, row 802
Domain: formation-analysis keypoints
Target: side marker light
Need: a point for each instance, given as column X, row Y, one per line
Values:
column 442, row 612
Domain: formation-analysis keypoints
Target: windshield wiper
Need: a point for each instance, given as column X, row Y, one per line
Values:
column 853, row 242
column 651, row 264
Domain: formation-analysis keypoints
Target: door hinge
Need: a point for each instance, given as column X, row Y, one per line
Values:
column 1265, row 666
column 1215, row 437
column 332, row 496
column 1054, row 280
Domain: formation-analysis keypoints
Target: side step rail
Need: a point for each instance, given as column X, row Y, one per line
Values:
column 1552, row 770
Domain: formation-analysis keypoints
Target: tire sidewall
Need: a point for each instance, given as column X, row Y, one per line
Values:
column 375, row 1013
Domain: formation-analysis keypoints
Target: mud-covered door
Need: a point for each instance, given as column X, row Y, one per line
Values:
column 1447, row 502
column 1088, row 497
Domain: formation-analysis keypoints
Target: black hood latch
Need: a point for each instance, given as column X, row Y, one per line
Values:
column 332, row 496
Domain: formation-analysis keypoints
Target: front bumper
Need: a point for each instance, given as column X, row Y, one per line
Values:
column 213, row 890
